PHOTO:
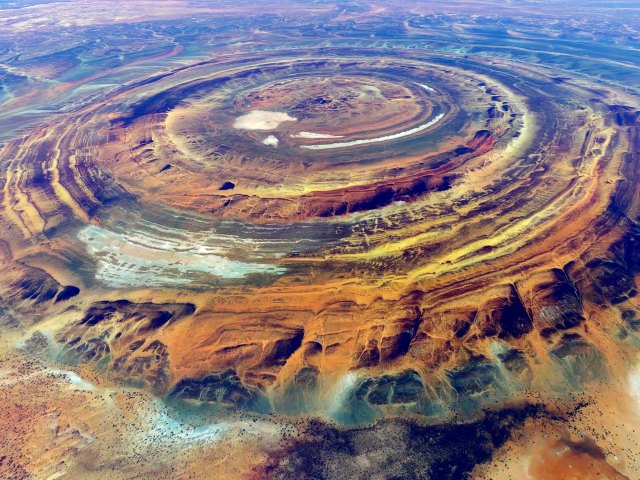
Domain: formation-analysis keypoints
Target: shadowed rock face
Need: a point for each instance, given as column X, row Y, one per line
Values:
column 611, row 280
column 146, row 316
column 625, row 115
column 476, row 383
column 405, row 387
column 115, row 337
column 35, row 287
column 67, row 292
column 608, row 279
column 220, row 390
column 580, row 361
column 559, row 306
column 516, row 363
column 505, row 318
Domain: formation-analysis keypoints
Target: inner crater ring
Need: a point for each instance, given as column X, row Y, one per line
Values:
column 313, row 138
column 338, row 106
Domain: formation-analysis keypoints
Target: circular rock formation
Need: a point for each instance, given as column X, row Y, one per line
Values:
column 346, row 232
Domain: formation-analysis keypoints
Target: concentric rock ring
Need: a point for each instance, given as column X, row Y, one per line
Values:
column 318, row 175
column 472, row 194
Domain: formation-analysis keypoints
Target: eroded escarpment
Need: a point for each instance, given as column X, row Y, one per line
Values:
column 425, row 352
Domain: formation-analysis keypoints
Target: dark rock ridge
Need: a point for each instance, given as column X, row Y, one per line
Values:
column 115, row 337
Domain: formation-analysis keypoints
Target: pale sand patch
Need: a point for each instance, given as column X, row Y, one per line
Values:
column 314, row 135
column 352, row 143
column 262, row 120
column 426, row 87
column 271, row 140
